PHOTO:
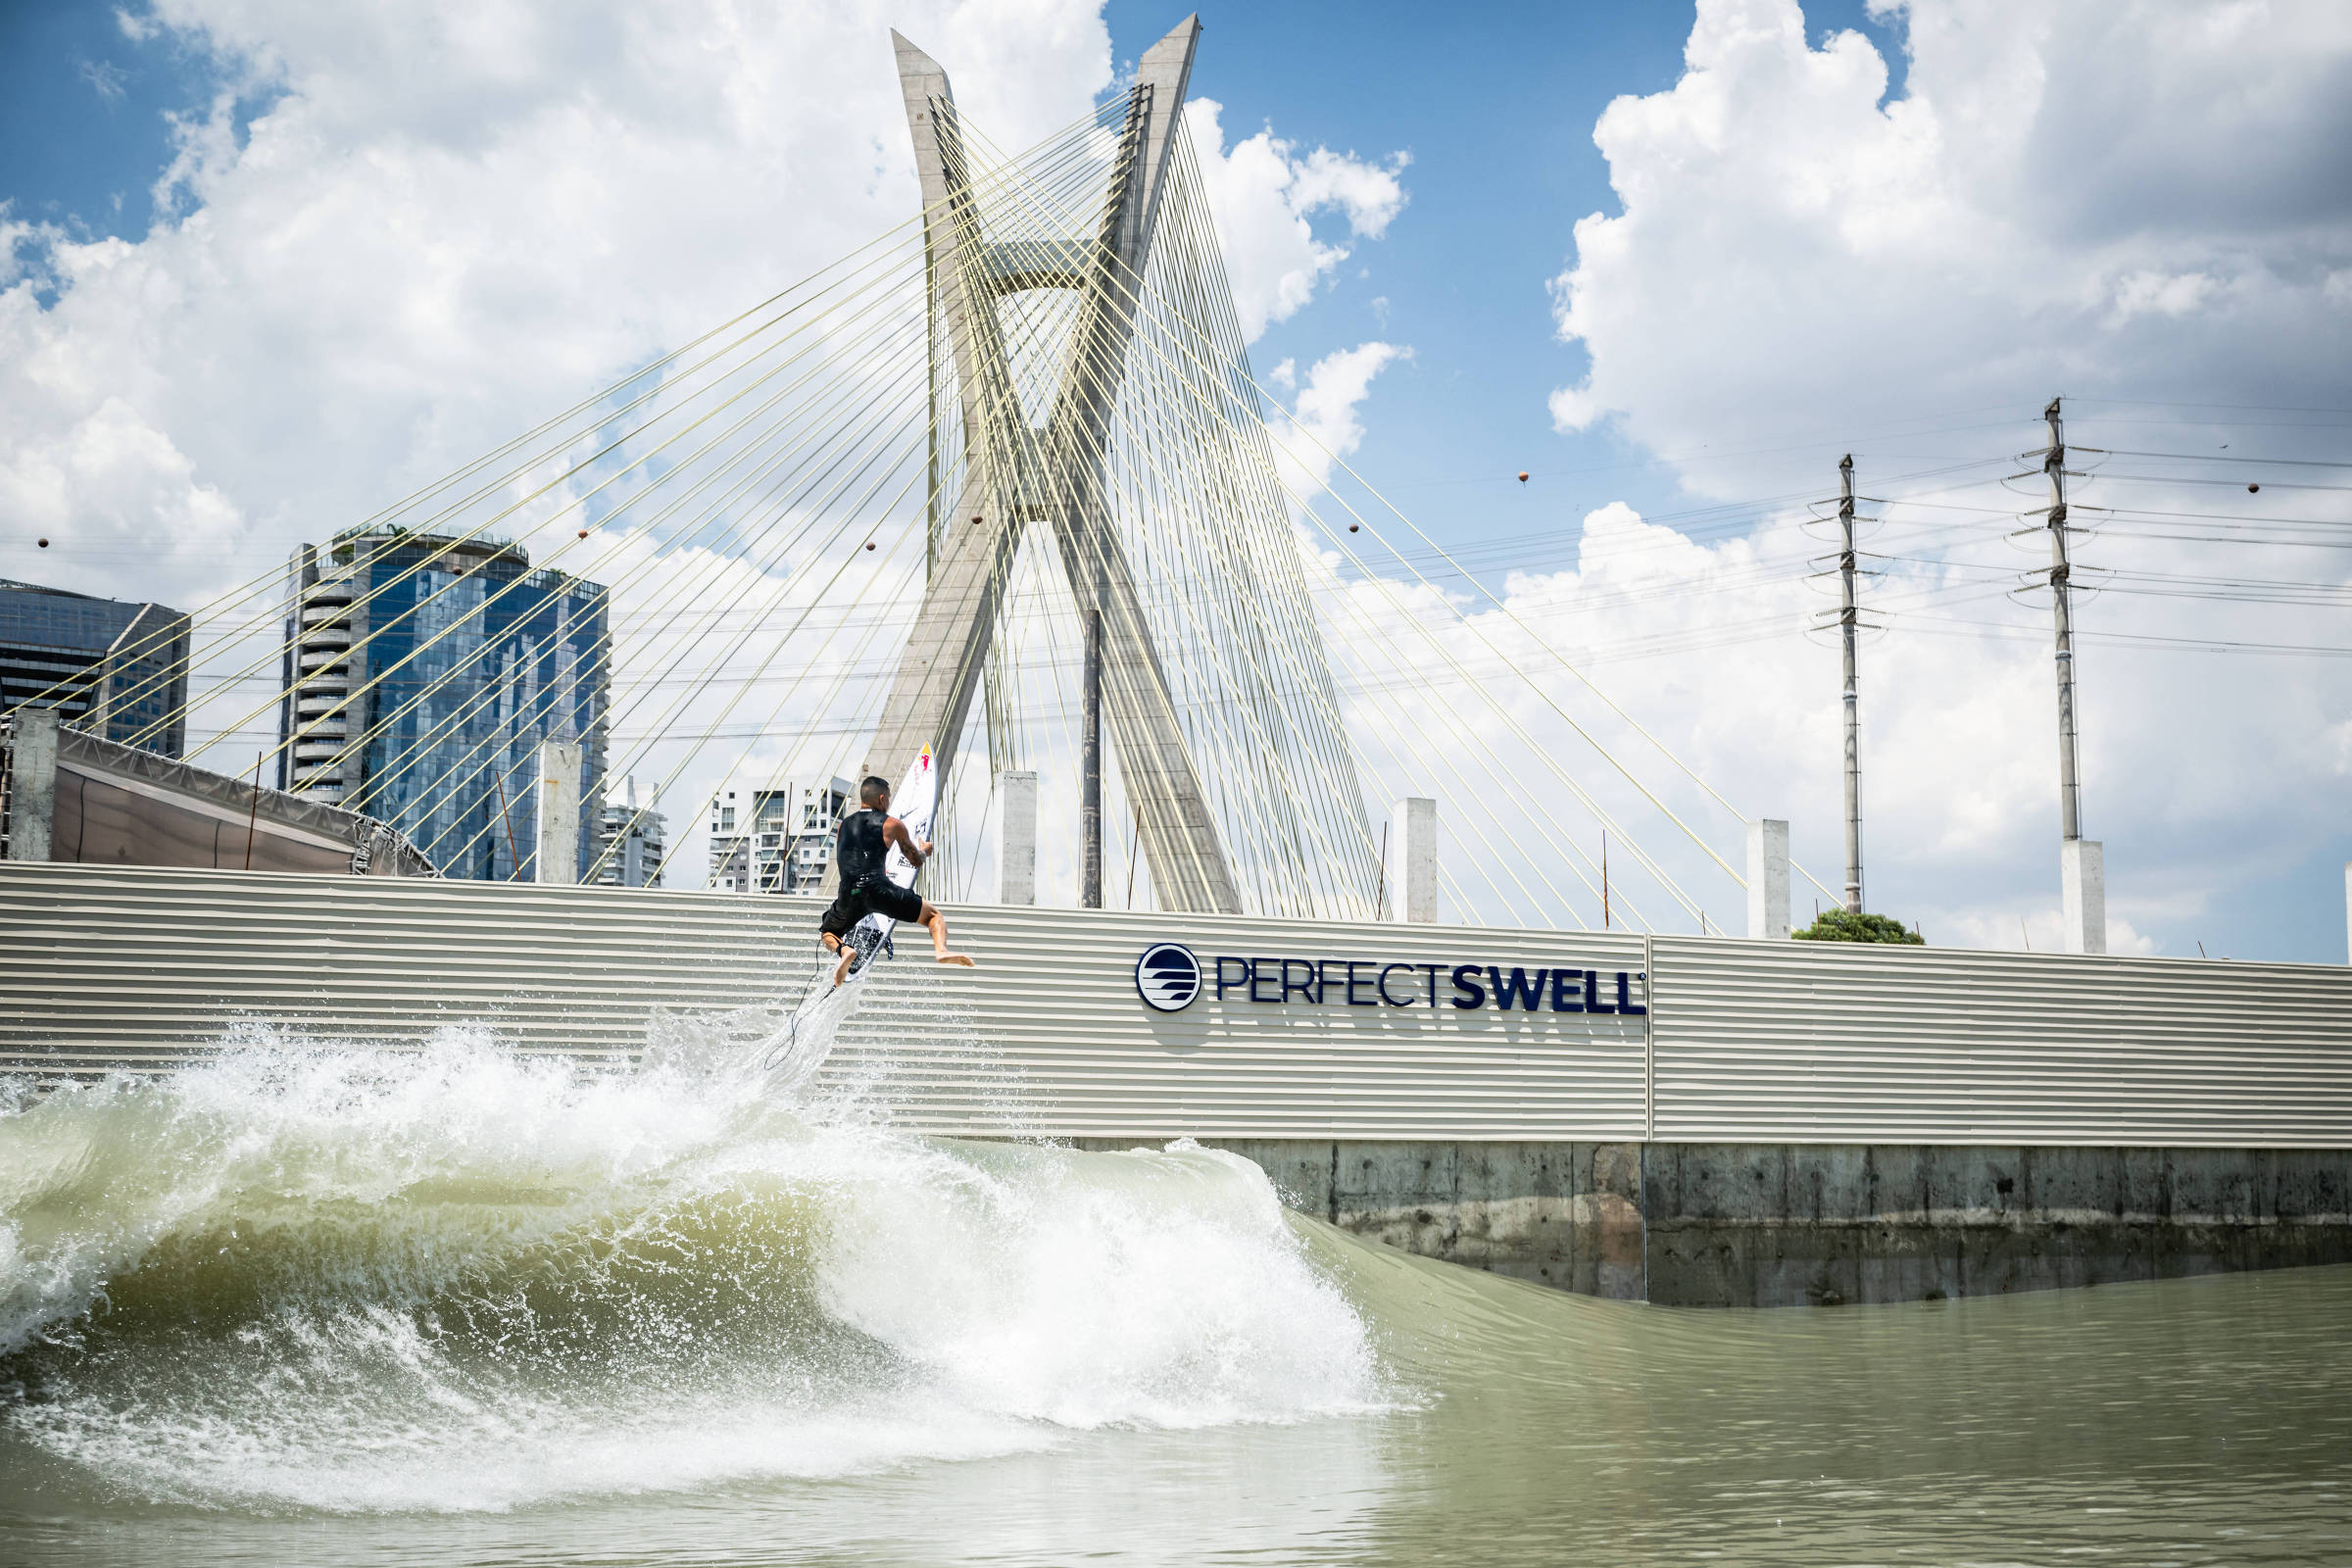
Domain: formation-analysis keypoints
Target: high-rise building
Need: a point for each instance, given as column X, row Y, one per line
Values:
column 111, row 666
column 629, row 840
column 420, row 676
column 776, row 838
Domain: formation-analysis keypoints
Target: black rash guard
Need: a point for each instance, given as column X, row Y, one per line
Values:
column 859, row 849
column 861, row 854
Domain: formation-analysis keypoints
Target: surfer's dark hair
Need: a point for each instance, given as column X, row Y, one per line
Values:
column 873, row 788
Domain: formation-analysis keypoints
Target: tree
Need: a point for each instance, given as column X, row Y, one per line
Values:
column 1843, row 925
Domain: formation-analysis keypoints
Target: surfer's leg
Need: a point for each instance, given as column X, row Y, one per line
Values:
column 939, row 935
column 835, row 925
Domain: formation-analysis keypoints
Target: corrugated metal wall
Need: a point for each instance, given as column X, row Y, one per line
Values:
column 1813, row 1043
column 1747, row 1041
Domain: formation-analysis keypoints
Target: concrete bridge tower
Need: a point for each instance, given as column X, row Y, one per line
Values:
column 1017, row 473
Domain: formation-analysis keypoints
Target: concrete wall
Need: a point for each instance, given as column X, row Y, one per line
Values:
column 1780, row 1225
column 1566, row 1216
column 1821, row 1224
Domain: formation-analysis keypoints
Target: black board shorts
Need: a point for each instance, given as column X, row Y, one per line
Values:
column 873, row 895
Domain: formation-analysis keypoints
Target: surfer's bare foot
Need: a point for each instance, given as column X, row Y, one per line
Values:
column 962, row 958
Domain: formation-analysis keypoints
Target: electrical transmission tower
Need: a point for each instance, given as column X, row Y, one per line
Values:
column 2082, row 866
column 1847, row 619
column 2070, row 787
column 1849, row 630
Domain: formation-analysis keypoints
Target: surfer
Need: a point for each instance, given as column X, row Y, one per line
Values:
column 859, row 852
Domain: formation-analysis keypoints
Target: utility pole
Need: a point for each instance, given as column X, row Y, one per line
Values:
column 2070, row 787
column 1847, row 620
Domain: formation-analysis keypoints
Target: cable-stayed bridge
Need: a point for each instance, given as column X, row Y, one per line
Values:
column 1001, row 483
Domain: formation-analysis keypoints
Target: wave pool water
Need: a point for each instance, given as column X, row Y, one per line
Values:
column 457, row 1306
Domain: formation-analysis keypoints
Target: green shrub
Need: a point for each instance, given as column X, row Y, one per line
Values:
column 1841, row 925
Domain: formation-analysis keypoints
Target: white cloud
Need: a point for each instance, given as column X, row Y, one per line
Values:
column 1263, row 192
column 450, row 221
column 2149, row 292
column 2141, row 198
column 105, row 78
column 1323, row 426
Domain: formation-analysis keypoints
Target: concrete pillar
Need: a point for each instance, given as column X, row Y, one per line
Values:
column 2348, row 907
column 32, row 783
column 558, row 814
column 1412, row 868
column 1768, row 880
column 2083, row 870
column 1016, row 846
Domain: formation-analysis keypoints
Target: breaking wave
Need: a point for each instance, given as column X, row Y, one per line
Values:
column 462, row 1279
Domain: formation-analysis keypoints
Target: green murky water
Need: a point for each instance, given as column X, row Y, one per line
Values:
column 457, row 1309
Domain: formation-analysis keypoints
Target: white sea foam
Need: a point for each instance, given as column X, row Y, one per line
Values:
column 462, row 1279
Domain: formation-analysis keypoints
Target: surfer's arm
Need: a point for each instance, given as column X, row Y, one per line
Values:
column 895, row 831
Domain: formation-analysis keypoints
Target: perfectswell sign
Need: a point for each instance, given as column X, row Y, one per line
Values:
column 1170, row 977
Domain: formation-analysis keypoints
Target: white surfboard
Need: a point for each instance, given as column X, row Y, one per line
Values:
column 913, row 803
column 799, row 1047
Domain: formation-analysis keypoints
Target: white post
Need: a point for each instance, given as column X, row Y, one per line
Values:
column 556, row 839
column 1768, row 880
column 1412, row 868
column 2083, row 872
column 1016, row 847
column 32, row 784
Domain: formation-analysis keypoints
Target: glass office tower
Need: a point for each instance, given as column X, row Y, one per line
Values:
column 117, row 668
column 420, row 676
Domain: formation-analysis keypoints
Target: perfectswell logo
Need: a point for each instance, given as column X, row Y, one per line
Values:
column 1170, row 977
column 1167, row 977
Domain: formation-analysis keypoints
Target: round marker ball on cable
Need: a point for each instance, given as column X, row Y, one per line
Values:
column 1351, row 527
column 1523, row 477
column 43, row 543
column 584, row 533
column 2253, row 489
column 869, row 543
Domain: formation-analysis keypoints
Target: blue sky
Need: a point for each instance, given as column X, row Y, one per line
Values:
column 81, row 114
column 83, row 132
column 1496, row 108
column 1895, row 236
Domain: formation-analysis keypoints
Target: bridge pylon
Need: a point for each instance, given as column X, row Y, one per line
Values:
column 1017, row 473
